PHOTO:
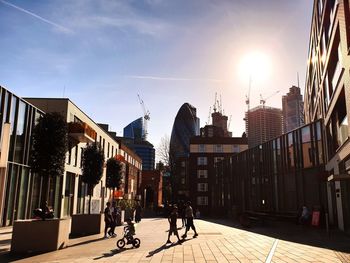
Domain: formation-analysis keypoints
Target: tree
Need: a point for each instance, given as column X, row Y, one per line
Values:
column 49, row 147
column 113, row 174
column 92, row 168
column 163, row 150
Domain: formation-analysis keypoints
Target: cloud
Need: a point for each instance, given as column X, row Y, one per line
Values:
column 61, row 28
column 173, row 78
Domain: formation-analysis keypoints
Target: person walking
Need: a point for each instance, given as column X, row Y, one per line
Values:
column 108, row 218
column 114, row 216
column 173, row 227
column 138, row 211
column 189, row 220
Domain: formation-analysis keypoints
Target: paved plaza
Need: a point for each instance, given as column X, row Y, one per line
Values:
column 218, row 241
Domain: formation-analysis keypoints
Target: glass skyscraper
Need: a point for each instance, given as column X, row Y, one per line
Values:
column 185, row 126
column 135, row 130
column 135, row 138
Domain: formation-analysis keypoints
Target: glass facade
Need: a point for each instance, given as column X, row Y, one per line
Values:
column 135, row 130
column 22, row 188
column 276, row 177
column 186, row 125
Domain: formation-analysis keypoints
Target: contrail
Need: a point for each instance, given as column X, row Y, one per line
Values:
column 176, row 79
column 62, row 28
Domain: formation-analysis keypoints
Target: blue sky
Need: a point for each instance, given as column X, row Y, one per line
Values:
column 102, row 53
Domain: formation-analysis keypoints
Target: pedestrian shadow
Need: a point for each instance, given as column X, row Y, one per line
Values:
column 179, row 228
column 112, row 253
column 164, row 247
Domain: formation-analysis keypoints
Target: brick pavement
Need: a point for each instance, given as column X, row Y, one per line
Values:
column 216, row 243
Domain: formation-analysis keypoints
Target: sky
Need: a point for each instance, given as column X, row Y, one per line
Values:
column 102, row 53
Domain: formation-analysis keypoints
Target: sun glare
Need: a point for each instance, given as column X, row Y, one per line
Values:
column 256, row 65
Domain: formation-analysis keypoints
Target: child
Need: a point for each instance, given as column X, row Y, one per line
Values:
column 131, row 230
column 173, row 228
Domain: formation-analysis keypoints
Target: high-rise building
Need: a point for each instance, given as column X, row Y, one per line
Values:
column 292, row 109
column 327, row 97
column 135, row 130
column 185, row 126
column 262, row 124
column 135, row 138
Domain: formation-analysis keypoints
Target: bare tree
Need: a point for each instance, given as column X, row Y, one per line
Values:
column 163, row 150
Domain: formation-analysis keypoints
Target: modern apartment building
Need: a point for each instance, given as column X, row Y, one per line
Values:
column 275, row 178
column 71, row 192
column 131, row 173
column 19, row 188
column 292, row 110
column 206, row 151
column 262, row 124
column 327, row 97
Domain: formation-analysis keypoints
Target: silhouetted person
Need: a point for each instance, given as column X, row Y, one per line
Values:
column 173, row 227
column 189, row 220
column 138, row 211
column 108, row 218
column 44, row 212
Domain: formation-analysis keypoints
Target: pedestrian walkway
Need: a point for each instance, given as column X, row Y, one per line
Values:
column 218, row 241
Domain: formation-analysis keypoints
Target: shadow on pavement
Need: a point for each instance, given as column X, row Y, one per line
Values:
column 307, row 235
column 112, row 253
column 86, row 242
column 164, row 247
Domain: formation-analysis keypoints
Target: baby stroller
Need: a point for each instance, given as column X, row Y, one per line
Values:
column 128, row 239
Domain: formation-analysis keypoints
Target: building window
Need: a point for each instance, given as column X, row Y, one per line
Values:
column 202, row 174
column 202, row 187
column 218, row 148
column 76, row 155
column 210, row 132
column 183, row 181
column 235, row 148
column 201, row 148
column 183, row 164
column 202, row 200
column 218, row 159
column 202, row 161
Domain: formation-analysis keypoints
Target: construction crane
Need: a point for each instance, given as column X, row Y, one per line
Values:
column 229, row 122
column 146, row 117
column 208, row 122
column 247, row 97
column 263, row 100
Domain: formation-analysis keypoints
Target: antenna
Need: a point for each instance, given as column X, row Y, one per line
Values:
column 214, row 107
column 220, row 105
column 298, row 79
column 64, row 91
column 229, row 122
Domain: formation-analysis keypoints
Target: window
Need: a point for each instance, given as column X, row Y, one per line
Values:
column 218, row 159
column 202, row 200
column 202, row 161
column 202, row 187
column 202, row 174
column 201, row 148
column 306, row 146
column 235, row 148
column 183, row 181
column 210, row 132
column 218, row 148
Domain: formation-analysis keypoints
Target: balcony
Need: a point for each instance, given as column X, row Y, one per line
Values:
column 81, row 132
column 337, row 72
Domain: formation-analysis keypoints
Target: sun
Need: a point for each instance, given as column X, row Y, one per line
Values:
column 255, row 65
